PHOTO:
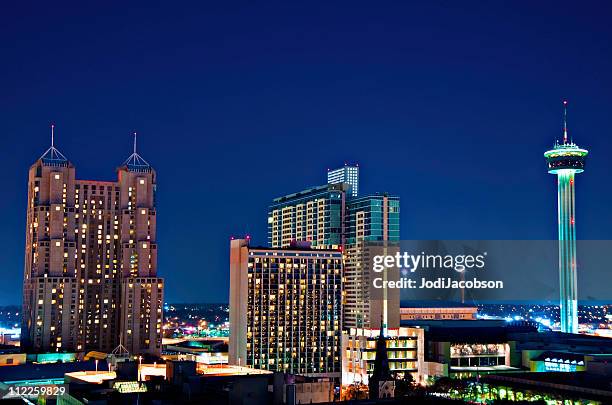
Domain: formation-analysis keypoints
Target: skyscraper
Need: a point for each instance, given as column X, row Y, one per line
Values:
column 565, row 160
column 347, row 174
column 285, row 309
column 328, row 217
column 314, row 215
column 90, row 277
column 371, row 221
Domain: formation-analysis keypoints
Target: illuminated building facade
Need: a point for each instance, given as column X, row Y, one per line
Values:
column 315, row 215
column 347, row 174
column 429, row 311
column 285, row 309
column 405, row 352
column 328, row 217
column 566, row 160
column 90, row 276
column 371, row 221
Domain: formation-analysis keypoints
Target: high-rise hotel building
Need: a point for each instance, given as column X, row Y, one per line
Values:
column 329, row 217
column 372, row 227
column 90, row 278
column 316, row 215
column 286, row 309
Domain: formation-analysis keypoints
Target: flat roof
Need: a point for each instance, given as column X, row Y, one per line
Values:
column 31, row 371
column 435, row 304
column 93, row 377
column 580, row 384
column 228, row 370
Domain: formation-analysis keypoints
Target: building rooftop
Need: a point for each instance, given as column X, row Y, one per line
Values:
column 311, row 190
column 435, row 304
column 575, row 384
column 34, row 371
column 229, row 370
column 92, row 377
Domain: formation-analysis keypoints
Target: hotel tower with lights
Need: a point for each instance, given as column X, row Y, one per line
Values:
column 566, row 160
column 90, row 277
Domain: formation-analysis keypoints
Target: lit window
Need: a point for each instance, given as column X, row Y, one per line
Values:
column 57, row 177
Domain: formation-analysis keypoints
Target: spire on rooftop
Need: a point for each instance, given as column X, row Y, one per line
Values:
column 136, row 162
column 53, row 156
column 382, row 371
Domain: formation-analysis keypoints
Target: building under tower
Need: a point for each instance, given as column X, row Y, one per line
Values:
column 565, row 160
column 90, row 276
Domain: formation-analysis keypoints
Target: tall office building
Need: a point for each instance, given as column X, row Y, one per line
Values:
column 347, row 174
column 372, row 225
column 328, row 217
column 90, row 277
column 566, row 160
column 314, row 215
column 285, row 309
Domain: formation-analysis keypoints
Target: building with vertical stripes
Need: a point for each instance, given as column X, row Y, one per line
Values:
column 286, row 309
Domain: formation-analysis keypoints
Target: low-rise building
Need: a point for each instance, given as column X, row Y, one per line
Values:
column 405, row 348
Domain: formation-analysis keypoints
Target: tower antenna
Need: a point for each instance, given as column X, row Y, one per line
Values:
column 135, row 135
column 564, row 122
column 52, row 134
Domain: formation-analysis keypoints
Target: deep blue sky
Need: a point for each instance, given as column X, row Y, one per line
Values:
column 450, row 105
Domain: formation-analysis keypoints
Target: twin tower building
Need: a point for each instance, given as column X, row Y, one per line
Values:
column 90, row 277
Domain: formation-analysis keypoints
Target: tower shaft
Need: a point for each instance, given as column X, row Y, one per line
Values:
column 567, row 252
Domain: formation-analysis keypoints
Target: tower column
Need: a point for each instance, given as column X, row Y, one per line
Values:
column 565, row 160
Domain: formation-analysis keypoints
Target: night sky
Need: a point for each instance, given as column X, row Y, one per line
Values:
column 448, row 105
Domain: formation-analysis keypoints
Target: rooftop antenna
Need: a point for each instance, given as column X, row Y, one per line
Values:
column 53, row 155
column 135, row 160
column 564, row 122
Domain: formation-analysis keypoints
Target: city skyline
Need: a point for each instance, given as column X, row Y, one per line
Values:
column 413, row 119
